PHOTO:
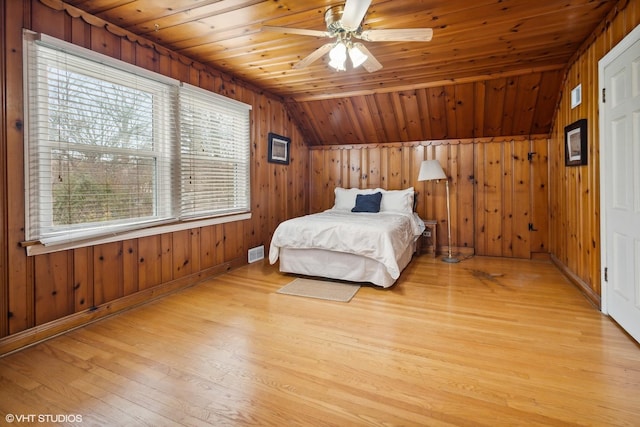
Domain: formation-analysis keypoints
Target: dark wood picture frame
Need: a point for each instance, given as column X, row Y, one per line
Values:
column 575, row 143
column 279, row 149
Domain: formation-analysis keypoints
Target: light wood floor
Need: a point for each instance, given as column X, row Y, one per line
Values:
column 484, row 342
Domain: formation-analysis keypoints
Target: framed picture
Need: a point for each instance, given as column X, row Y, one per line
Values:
column 278, row 149
column 575, row 143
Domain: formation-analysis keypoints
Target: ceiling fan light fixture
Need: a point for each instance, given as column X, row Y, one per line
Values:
column 345, row 23
column 357, row 56
column 338, row 56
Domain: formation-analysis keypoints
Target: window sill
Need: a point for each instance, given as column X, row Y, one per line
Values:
column 39, row 249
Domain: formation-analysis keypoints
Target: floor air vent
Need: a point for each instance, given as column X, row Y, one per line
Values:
column 256, row 254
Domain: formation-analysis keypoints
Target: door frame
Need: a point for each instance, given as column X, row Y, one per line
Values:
column 606, row 60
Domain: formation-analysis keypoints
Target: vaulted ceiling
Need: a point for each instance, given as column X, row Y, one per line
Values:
column 493, row 67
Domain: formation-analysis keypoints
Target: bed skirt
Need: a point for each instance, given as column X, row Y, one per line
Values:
column 339, row 265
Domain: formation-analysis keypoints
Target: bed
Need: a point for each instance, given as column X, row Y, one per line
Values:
column 369, row 235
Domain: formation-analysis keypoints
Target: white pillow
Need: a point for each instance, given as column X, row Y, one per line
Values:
column 397, row 200
column 346, row 197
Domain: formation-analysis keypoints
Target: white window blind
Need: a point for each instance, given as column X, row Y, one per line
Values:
column 215, row 150
column 111, row 147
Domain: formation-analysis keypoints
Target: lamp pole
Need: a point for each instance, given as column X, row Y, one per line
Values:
column 449, row 258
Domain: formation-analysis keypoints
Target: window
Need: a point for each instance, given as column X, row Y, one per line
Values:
column 112, row 147
column 214, row 135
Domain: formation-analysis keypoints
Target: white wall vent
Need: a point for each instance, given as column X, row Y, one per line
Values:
column 256, row 254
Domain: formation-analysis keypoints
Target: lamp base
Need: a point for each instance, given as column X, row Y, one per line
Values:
column 450, row 259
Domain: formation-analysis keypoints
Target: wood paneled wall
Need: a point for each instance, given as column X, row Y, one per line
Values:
column 575, row 192
column 47, row 294
column 4, row 125
column 512, row 198
column 496, row 191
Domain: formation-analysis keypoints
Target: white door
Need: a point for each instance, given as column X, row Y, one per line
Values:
column 620, row 182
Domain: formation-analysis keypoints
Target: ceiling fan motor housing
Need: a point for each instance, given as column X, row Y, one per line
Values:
column 333, row 17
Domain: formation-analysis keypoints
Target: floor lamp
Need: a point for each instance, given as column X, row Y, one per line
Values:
column 430, row 170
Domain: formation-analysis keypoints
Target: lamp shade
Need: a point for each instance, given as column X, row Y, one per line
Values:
column 431, row 169
column 338, row 56
column 357, row 56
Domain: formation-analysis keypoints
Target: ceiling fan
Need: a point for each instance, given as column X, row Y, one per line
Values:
column 344, row 23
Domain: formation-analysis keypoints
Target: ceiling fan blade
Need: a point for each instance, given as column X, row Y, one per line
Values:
column 399, row 35
column 371, row 64
column 300, row 31
column 313, row 56
column 354, row 11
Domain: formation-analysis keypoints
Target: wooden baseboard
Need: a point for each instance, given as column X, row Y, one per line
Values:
column 591, row 295
column 65, row 324
column 456, row 251
column 541, row 256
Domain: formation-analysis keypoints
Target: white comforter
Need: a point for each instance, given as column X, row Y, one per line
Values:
column 381, row 236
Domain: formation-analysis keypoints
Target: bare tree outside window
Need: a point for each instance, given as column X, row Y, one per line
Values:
column 98, row 131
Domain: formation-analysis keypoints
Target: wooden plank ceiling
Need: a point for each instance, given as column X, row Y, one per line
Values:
column 493, row 67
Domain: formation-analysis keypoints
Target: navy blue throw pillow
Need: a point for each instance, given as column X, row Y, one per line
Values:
column 367, row 202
